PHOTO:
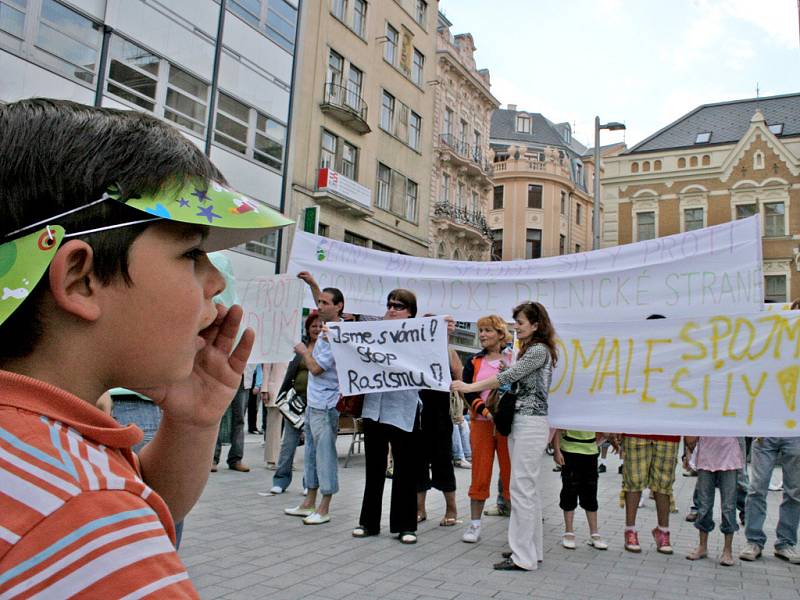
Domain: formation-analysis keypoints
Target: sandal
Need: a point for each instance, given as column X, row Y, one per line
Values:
column 362, row 532
column 407, row 537
column 568, row 540
column 450, row 521
column 695, row 555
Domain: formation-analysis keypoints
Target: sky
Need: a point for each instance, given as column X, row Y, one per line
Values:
column 642, row 62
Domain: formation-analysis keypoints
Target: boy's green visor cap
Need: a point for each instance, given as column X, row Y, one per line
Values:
column 232, row 218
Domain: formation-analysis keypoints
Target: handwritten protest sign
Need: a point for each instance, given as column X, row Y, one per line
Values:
column 721, row 375
column 273, row 309
column 701, row 272
column 383, row 356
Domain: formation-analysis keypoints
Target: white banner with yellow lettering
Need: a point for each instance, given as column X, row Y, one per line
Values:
column 723, row 375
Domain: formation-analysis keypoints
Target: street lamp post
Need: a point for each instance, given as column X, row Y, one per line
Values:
column 612, row 126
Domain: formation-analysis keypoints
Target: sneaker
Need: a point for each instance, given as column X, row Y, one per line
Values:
column 632, row 541
column 472, row 534
column 691, row 516
column 750, row 552
column 462, row 464
column 788, row 553
column 601, row 468
column 316, row 519
column 276, row 489
column 662, row 541
column 299, row 511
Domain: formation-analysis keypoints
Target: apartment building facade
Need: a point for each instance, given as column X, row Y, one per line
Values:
column 541, row 201
column 717, row 163
column 364, row 107
column 158, row 57
column 461, row 181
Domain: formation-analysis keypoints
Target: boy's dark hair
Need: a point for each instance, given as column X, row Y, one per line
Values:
column 56, row 155
column 336, row 297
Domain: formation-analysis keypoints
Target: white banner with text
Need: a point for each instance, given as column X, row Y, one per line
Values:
column 273, row 309
column 721, row 375
column 702, row 272
column 385, row 356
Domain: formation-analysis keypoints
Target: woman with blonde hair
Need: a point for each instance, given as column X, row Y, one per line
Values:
column 495, row 356
column 529, row 433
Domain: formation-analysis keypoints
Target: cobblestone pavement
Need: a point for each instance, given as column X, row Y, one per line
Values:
column 238, row 544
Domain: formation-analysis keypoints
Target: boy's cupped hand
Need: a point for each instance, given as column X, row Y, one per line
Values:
column 202, row 398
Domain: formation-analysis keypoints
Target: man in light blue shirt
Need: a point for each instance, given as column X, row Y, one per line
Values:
column 322, row 418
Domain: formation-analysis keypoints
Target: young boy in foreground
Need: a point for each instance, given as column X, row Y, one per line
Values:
column 105, row 220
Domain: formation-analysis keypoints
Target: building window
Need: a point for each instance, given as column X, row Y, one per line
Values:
column 71, row 41
column 381, row 247
column 706, row 160
column 497, row 199
column 387, row 112
column 745, row 210
column 693, row 161
column 445, row 193
column 187, row 97
column 463, row 136
column 417, row 66
column 563, row 202
column 703, row 138
column 447, row 126
column 335, row 70
column 523, row 124
column 533, row 243
column 758, row 160
column 328, row 150
column 339, row 8
column 133, row 73
column 390, row 48
column 774, row 219
column 277, row 19
column 681, row 163
column 534, row 196
column 12, row 17
column 775, row 288
column 562, row 243
column 497, row 244
column 776, row 128
column 577, row 248
column 384, row 187
column 231, row 124
column 460, row 195
column 270, row 141
column 414, row 130
column 578, row 213
column 266, row 246
column 645, row 226
column 692, row 219
column 421, row 12
column 355, row 77
column 348, row 162
column 476, row 140
column 475, row 207
column 324, row 230
column 411, row 201
column 355, row 239
column 359, row 17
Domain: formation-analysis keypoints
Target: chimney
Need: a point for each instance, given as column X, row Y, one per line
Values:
column 512, row 107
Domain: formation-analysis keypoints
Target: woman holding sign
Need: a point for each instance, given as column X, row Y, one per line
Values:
column 391, row 418
column 529, row 433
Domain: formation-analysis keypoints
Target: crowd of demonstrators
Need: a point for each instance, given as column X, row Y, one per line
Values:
column 322, row 419
column 485, row 441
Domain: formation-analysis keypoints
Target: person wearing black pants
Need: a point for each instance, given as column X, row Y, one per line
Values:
column 435, row 466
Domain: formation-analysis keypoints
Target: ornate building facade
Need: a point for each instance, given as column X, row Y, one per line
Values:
column 718, row 163
column 461, row 183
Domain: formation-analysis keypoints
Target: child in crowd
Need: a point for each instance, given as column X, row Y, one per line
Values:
column 105, row 220
column 576, row 452
column 716, row 460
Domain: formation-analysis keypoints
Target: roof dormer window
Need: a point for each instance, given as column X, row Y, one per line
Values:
column 523, row 124
column 703, row 137
column 776, row 128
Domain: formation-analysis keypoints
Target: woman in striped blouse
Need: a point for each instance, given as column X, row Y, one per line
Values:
column 529, row 433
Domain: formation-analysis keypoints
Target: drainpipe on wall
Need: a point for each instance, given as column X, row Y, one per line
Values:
column 212, row 105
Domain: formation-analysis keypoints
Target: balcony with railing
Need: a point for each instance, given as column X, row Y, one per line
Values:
column 468, row 221
column 557, row 167
column 465, row 154
column 346, row 106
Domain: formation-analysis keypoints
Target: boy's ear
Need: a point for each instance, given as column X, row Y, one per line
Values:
column 73, row 283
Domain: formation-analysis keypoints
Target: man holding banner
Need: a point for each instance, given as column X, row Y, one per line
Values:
column 322, row 418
